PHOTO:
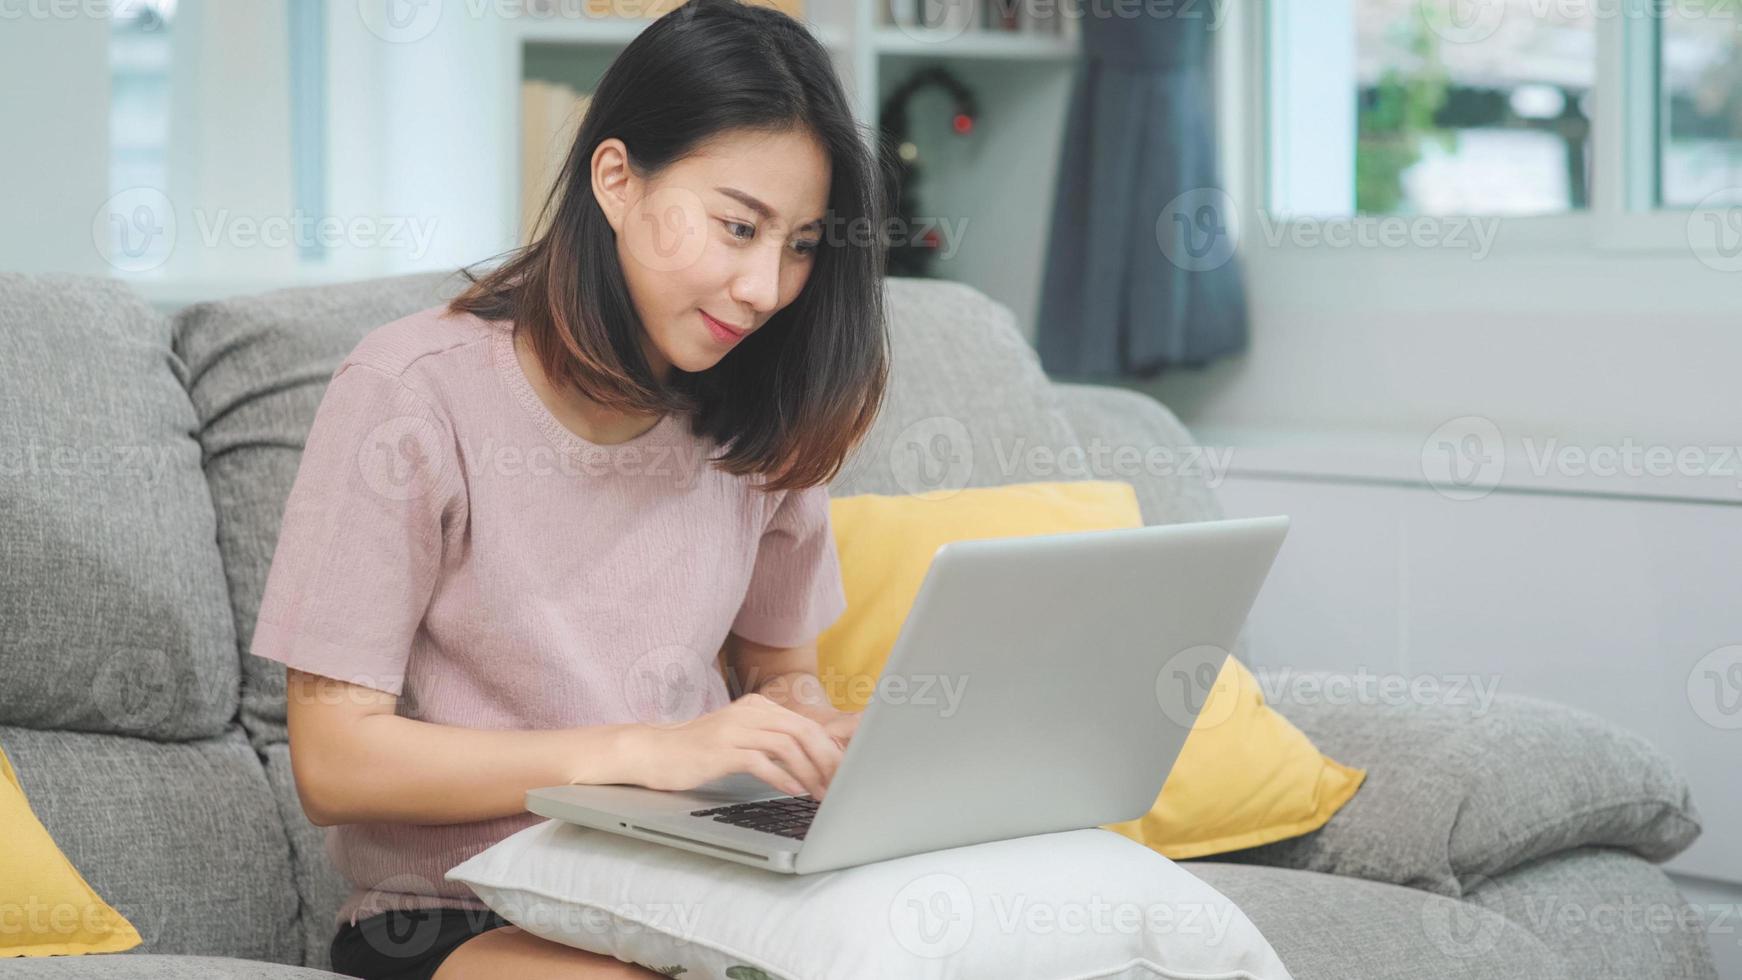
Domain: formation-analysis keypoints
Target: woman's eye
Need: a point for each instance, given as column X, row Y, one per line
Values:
column 806, row 246
column 732, row 228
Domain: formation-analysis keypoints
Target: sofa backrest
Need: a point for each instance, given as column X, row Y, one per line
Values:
column 119, row 676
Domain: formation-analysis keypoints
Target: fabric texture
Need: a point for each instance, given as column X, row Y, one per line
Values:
column 1127, row 435
column 1327, row 927
column 1591, row 913
column 179, row 838
column 54, row 911
column 1141, row 270
column 1245, row 775
column 157, row 967
column 113, row 593
column 967, row 406
column 1569, row 901
column 1461, row 793
column 447, row 540
column 1059, row 906
column 320, row 888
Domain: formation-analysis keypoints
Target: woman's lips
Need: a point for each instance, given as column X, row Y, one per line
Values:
column 721, row 332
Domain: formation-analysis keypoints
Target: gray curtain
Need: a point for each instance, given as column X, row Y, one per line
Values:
column 1141, row 272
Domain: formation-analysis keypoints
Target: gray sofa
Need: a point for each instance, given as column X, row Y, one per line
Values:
column 146, row 460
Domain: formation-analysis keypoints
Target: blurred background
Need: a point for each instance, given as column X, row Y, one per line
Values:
column 1454, row 283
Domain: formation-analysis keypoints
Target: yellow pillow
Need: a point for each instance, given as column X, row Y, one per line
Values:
column 1245, row 776
column 46, row 907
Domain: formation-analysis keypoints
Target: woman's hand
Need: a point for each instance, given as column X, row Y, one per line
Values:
column 842, row 726
column 754, row 735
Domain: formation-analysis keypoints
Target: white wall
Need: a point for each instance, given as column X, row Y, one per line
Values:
column 1402, row 341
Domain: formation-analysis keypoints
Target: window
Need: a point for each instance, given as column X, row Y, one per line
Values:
column 1700, row 151
column 1457, row 115
column 139, row 94
column 1491, row 107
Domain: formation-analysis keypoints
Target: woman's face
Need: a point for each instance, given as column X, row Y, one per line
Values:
column 728, row 233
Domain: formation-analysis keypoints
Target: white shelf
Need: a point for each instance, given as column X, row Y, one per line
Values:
column 919, row 42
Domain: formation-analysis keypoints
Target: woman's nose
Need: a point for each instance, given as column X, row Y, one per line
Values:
column 758, row 283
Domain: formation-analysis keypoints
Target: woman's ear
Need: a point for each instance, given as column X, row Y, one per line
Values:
column 611, row 180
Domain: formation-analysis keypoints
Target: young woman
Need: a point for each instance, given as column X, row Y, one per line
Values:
column 573, row 526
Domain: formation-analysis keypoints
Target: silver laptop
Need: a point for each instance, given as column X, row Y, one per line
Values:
column 1039, row 684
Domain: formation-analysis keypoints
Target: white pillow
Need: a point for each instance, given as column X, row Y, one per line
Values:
column 1077, row 904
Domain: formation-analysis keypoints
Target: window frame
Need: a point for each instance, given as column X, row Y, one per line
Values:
column 1624, row 218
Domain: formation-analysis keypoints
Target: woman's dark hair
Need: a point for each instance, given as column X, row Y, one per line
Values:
column 791, row 400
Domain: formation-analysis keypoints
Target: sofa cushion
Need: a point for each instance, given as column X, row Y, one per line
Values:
column 967, row 406
column 1613, row 916
column 127, row 966
column 1465, row 791
column 258, row 366
column 318, row 883
column 182, row 838
column 61, row 914
column 1326, row 927
column 113, row 594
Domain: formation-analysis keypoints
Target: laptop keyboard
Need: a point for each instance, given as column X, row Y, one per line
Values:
column 788, row 816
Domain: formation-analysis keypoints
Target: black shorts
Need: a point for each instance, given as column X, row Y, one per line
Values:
column 407, row 945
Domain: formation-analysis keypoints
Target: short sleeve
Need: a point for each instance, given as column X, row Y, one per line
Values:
column 360, row 546
column 795, row 588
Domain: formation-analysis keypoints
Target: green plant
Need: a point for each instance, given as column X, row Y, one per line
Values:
column 1399, row 115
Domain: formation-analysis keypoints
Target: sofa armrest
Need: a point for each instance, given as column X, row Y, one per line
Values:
column 1469, row 787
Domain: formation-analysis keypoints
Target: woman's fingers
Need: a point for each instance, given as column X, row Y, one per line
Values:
column 758, row 764
column 786, row 751
column 823, row 749
column 842, row 727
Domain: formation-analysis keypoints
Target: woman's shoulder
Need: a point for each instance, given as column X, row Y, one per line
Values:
column 400, row 345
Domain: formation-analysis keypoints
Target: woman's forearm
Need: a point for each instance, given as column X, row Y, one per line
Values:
column 800, row 691
column 402, row 770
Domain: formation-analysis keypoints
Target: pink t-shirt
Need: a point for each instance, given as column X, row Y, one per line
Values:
column 448, row 540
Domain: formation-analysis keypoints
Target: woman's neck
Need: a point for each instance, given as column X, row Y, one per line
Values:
column 578, row 413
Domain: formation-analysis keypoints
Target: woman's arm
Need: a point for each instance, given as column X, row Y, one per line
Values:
column 356, row 761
